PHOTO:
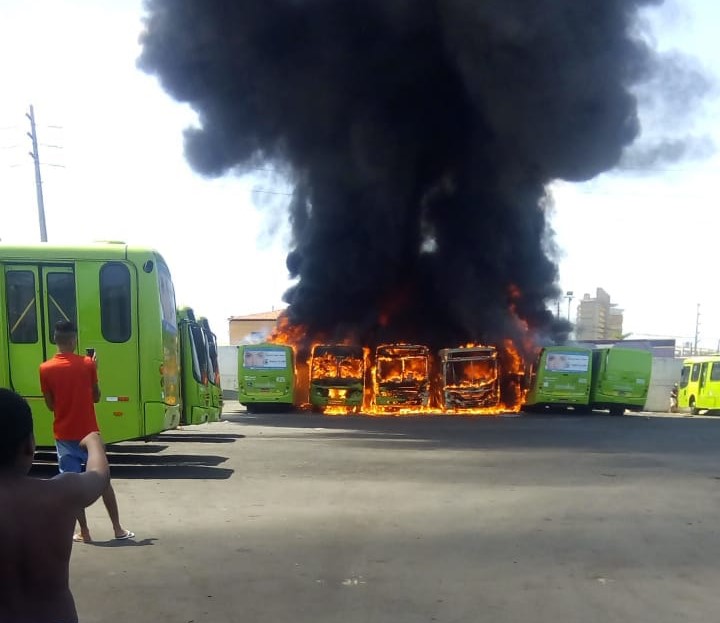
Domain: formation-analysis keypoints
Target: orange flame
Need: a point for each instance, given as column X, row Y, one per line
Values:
column 403, row 379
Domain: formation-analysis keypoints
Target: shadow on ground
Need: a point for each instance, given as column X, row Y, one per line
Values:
column 597, row 432
column 120, row 543
column 199, row 437
column 155, row 466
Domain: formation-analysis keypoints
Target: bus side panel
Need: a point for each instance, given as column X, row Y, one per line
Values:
column 159, row 418
column 159, row 343
column 713, row 385
column 119, row 412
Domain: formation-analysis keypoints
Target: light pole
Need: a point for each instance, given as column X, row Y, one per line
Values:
column 569, row 296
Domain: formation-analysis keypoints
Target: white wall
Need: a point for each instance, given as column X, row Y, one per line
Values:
column 665, row 372
column 227, row 361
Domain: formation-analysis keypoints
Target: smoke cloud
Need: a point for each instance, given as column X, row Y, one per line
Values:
column 420, row 135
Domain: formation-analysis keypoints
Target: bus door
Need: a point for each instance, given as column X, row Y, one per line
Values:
column 36, row 298
column 702, row 381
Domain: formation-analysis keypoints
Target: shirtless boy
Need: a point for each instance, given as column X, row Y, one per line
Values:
column 37, row 520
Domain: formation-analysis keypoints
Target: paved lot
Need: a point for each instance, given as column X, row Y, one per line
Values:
column 304, row 518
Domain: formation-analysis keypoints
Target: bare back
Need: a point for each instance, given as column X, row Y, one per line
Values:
column 35, row 545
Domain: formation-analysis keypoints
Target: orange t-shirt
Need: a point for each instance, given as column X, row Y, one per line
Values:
column 69, row 379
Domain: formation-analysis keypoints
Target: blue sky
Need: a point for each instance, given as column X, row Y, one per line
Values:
column 647, row 237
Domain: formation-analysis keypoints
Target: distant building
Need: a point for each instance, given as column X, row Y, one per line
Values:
column 252, row 328
column 598, row 318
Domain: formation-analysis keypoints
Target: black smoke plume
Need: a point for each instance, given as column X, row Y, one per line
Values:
column 420, row 135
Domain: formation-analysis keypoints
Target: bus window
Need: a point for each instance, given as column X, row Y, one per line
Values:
column 115, row 289
column 685, row 376
column 695, row 372
column 715, row 371
column 21, row 308
column 60, row 299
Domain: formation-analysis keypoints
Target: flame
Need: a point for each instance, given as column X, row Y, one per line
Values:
column 408, row 379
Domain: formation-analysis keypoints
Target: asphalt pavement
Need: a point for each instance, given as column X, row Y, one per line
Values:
column 300, row 517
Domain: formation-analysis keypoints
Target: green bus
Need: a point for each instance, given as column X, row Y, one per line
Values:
column 216, row 397
column 337, row 377
column 266, row 376
column 469, row 378
column 123, row 301
column 560, row 377
column 195, row 369
column 700, row 384
column 621, row 379
column 402, row 377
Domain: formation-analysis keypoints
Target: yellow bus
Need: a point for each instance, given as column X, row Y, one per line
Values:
column 123, row 302
column 700, row 384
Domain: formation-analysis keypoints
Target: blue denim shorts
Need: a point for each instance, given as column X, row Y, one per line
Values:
column 71, row 457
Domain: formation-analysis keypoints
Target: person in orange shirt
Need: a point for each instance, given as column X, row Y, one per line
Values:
column 69, row 384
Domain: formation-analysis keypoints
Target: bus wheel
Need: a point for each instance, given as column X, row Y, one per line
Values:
column 617, row 410
column 693, row 409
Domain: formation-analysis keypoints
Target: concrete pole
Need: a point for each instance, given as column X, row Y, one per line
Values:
column 38, row 180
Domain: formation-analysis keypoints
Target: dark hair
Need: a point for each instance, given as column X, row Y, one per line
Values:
column 65, row 327
column 16, row 425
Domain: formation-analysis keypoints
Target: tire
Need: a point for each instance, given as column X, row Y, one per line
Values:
column 617, row 410
column 693, row 409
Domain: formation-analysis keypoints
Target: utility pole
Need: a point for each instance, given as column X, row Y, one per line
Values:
column 38, row 180
column 697, row 329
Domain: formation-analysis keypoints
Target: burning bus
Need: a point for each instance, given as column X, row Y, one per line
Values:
column 337, row 377
column 402, row 377
column 469, row 378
